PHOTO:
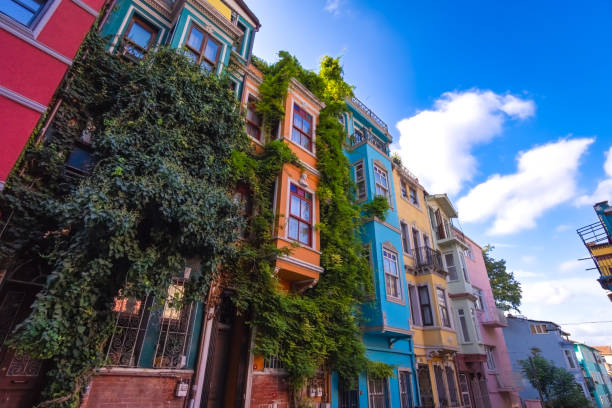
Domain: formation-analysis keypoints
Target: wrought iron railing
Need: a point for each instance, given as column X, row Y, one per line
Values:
column 364, row 135
column 594, row 234
column 427, row 257
column 369, row 112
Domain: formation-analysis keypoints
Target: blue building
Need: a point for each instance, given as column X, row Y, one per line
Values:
column 386, row 333
column 594, row 371
column 523, row 334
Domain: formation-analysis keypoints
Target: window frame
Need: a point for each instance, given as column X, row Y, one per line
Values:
column 405, row 235
column 303, row 114
column 299, row 219
column 491, row 363
column 452, row 277
column 443, row 308
column 413, row 298
column 396, row 277
column 385, row 391
column 250, row 106
column 410, row 390
column 426, row 306
column 34, row 26
column 465, row 330
column 360, row 180
column 206, row 36
column 381, row 172
column 147, row 26
column 413, row 200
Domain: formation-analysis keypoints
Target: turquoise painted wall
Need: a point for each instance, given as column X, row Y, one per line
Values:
column 594, row 369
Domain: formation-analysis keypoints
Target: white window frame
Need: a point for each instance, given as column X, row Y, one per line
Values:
column 463, row 325
column 385, row 392
column 382, row 172
column 313, row 215
column 450, row 278
column 476, row 327
column 441, row 306
column 431, row 306
column 397, row 276
column 407, row 370
column 405, row 233
column 465, row 395
column 491, row 363
column 362, row 179
column 37, row 25
column 415, row 305
column 464, row 269
column 570, row 359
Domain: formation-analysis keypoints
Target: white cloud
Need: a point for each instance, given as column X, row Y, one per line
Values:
column 558, row 291
column 545, row 178
column 562, row 227
column 436, row 144
column 528, row 259
column 603, row 191
column 521, row 274
column 333, row 6
column 572, row 265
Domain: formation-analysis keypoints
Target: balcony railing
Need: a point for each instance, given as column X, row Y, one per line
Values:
column 594, row 234
column 364, row 135
column 498, row 319
column 369, row 112
column 427, row 257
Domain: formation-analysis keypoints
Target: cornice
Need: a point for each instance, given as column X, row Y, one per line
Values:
column 210, row 12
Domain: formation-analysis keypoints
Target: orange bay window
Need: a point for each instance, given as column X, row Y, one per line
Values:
column 300, row 215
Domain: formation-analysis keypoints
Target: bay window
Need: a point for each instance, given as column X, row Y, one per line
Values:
column 392, row 280
column 301, row 133
column 382, row 184
column 443, row 307
column 300, row 215
column 426, row 311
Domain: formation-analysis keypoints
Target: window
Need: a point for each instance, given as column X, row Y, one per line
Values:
column 490, row 351
column 479, row 299
column 405, row 237
column 414, row 198
column 464, row 267
column 238, row 44
column 138, row 38
column 464, row 328
column 382, row 186
column 450, row 266
column 465, row 391
column 425, row 301
column 300, row 215
column 253, row 120
column 377, row 393
column 469, row 252
column 442, row 392
column 360, row 182
column 405, row 386
column 475, row 322
column 443, row 307
column 80, row 161
column 22, row 11
column 538, row 329
column 392, row 281
column 425, row 386
column 452, row 387
column 570, row 359
column 273, row 363
column 404, row 189
column 414, row 311
column 302, row 128
column 202, row 49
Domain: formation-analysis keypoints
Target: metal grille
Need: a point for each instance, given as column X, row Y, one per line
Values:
column 427, row 399
column 348, row 394
column 377, row 392
column 452, row 387
column 442, row 394
column 126, row 342
column 273, row 362
column 173, row 342
column 405, row 385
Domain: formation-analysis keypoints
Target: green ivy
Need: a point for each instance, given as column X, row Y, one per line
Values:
column 377, row 207
column 380, row 370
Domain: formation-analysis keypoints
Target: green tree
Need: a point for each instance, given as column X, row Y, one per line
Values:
column 506, row 289
column 557, row 387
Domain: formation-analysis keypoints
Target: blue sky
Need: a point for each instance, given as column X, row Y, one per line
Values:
column 509, row 102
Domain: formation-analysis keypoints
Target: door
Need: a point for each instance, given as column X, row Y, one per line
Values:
column 427, row 398
column 348, row 394
column 405, row 386
column 20, row 375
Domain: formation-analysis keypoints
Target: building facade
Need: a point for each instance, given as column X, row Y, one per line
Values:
column 435, row 338
column 606, row 353
column 597, row 239
column 35, row 36
column 500, row 378
column 386, row 334
column 594, row 371
column 522, row 335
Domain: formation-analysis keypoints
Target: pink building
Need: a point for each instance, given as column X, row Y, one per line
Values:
column 503, row 392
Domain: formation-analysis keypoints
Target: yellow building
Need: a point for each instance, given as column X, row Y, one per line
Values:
column 435, row 338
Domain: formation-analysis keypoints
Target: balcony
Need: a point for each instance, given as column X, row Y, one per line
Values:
column 368, row 112
column 497, row 320
column 365, row 136
column 447, row 235
column 429, row 260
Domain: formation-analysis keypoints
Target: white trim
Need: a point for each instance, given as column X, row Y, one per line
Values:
column 22, row 100
column 44, row 17
column 313, row 136
column 35, row 43
column 299, row 262
column 400, row 299
column 86, row 7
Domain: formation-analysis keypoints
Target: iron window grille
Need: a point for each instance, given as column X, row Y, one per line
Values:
column 377, row 393
column 452, row 387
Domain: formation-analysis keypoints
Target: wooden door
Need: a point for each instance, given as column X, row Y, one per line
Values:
column 20, row 375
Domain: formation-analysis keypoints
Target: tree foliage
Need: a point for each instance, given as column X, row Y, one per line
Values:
column 506, row 289
column 556, row 386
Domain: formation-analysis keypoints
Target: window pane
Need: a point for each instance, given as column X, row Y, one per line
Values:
column 23, row 11
column 195, row 38
column 206, row 67
column 305, row 210
column 306, row 126
column 295, row 135
column 297, row 119
column 211, row 50
column 293, row 228
column 140, row 35
column 304, row 233
column 295, row 206
column 193, row 57
column 305, row 142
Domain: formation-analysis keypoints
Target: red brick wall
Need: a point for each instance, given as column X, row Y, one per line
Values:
column 267, row 389
column 134, row 390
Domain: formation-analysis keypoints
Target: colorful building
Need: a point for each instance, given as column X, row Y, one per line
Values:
column 435, row 338
column 500, row 378
column 522, row 335
column 597, row 239
column 386, row 334
column 36, row 37
column 606, row 354
column 594, row 371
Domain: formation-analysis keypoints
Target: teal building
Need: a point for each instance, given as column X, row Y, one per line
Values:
column 386, row 332
column 594, row 371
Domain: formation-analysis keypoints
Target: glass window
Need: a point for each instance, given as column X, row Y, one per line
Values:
column 443, row 307
column 253, row 120
column 301, row 133
column 202, row 48
column 300, row 215
column 491, row 358
column 377, row 393
column 475, row 322
column 414, row 198
column 570, row 359
column 382, row 185
column 80, row 161
column 414, row 311
column 403, row 189
column 442, row 392
column 464, row 267
column 465, row 391
column 22, row 11
column 405, row 237
column 451, row 268
column 464, row 328
column 360, row 182
column 425, row 301
column 138, row 38
column 392, row 282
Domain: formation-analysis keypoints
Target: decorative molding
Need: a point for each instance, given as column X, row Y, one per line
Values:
column 301, row 263
column 302, row 89
column 22, row 100
column 210, row 12
column 86, row 7
column 35, row 43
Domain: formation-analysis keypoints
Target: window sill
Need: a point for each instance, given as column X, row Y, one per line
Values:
column 407, row 200
column 398, row 301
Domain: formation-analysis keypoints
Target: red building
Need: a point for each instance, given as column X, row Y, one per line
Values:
column 38, row 39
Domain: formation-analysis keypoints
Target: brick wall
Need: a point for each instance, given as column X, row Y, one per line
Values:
column 268, row 389
column 135, row 390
